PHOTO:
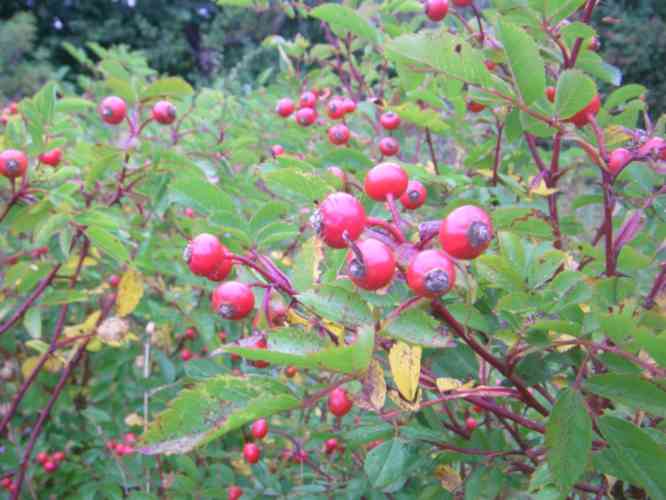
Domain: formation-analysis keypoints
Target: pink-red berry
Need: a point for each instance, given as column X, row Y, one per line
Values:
column 305, row 117
column 389, row 120
column 113, row 110
column 471, row 424
column 430, row 273
column 336, row 109
column 582, row 118
column 466, row 232
column 339, row 134
column 52, row 157
column 252, row 453
column 475, row 107
column 260, row 428
column 234, row 493
column 206, row 256
column 233, row 300
column 164, row 112
column 339, row 402
column 414, row 196
column 618, row 159
column 385, row 179
column 186, row 354
column 13, row 163
column 277, row 150
column 339, row 214
column 374, row 267
column 308, row 100
column 389, row 146
column 284, row 107
column 436, row 10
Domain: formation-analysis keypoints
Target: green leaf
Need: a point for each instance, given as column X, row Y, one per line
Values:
column 575, row 90
column 485, row 482
column 631, row 390
column 212, row 408
column 417, row 327
column 174, row 87
column 524, row 60
column 471, row 317
column 568, row 434
column 290, row 346
column 300, row 186
column 640, row 457
column 575, row 30
column 543, row 267
column 337, row 304
column 386, row 463
column 306, row 265
column 108, row 243
column 624, row 94
column 32, row 322
column 655, row 345
column 203, row 196
column 73, row 105
column 561, row 9
column 347, row 19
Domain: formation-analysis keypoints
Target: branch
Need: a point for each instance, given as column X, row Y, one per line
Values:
column 432, row 150
column 444, row 314
column 23, row 308
column 656, row 287
column 498, row 154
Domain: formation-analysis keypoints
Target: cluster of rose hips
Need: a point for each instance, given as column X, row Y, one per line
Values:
column 124, row 447
column 8, row 484
column 50, row 463
column 339, row 404
column 340, row 221
column 113, row 110
column 191, row 335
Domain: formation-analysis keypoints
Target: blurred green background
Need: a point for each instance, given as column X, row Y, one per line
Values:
column 207, row 43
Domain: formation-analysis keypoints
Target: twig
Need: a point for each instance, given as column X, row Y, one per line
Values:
column 498, row 154
column 432, row 150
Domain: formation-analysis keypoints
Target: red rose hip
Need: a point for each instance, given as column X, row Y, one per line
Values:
column 260, row 428
column 385, row 179
column 389, row 146
column 338, row 134
column 308, row 100
column 233, row 300
column 582, row 118
column 234, row 493
column 164, row 112
column 336, row 109
column 330, row 445
column 414, row 196
column 113, row 110
column 339, row 403
column 436, row 10
column 338, row 214
column 618, row 159
column 466, row 232
column 389, row 120
column 305, row 117
column 475, row 107
column 13, row 163
column 206, row 256
column 550, row 94
column 430, row 274
column 277, row 150
column 374, row 265
column 186, row 354
column 284, row 107
column 252, row 453
column 471, row 424
column 52, row 157
column 350, row 105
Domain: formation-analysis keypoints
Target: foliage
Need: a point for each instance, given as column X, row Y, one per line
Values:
column 22, row 68
column 540, row 373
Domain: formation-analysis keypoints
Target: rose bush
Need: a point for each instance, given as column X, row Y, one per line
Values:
column 208, row 295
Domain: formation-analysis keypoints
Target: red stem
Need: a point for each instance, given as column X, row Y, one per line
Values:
column 387, row 226
column 432, row 150
column 587, row 15
column 498, row 153
column 41, row 288
column 608, row 223
column 656, row 288
column 443, row 313
column 551, row 182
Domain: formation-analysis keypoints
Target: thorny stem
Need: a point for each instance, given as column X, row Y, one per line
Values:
column 609, row 203
column 551, row 182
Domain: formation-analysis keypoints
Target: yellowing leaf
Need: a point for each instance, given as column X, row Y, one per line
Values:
column 130, row 291
column 449, row 477
column 84, row 328
column 52, row 365
column 401, row 403
column 373, row 394
column 293, row 318
column 445, row 384
column 542, row 190
column 405, row 362
column 584, row 307
column 115, row 332
column 562, row 338
column 484, row 172
column 38, row 345
column 134, row 420
column 336, row 328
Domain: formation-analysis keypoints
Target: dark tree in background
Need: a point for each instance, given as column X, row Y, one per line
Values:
column 194, row 38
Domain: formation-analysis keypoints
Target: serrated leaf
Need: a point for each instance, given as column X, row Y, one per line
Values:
column 337, row 304
column 291, row 346
column 405, row 363
column 212, row 408
column 630, row 390
column 574, row 91
column 386, row 463
column 524, row 60
column 130, row 291
column 347, row 19
column 305, row 272
column 201, row 195
column 415, row 326
column 640, row 458
column 568, row 434
column 108, row 243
